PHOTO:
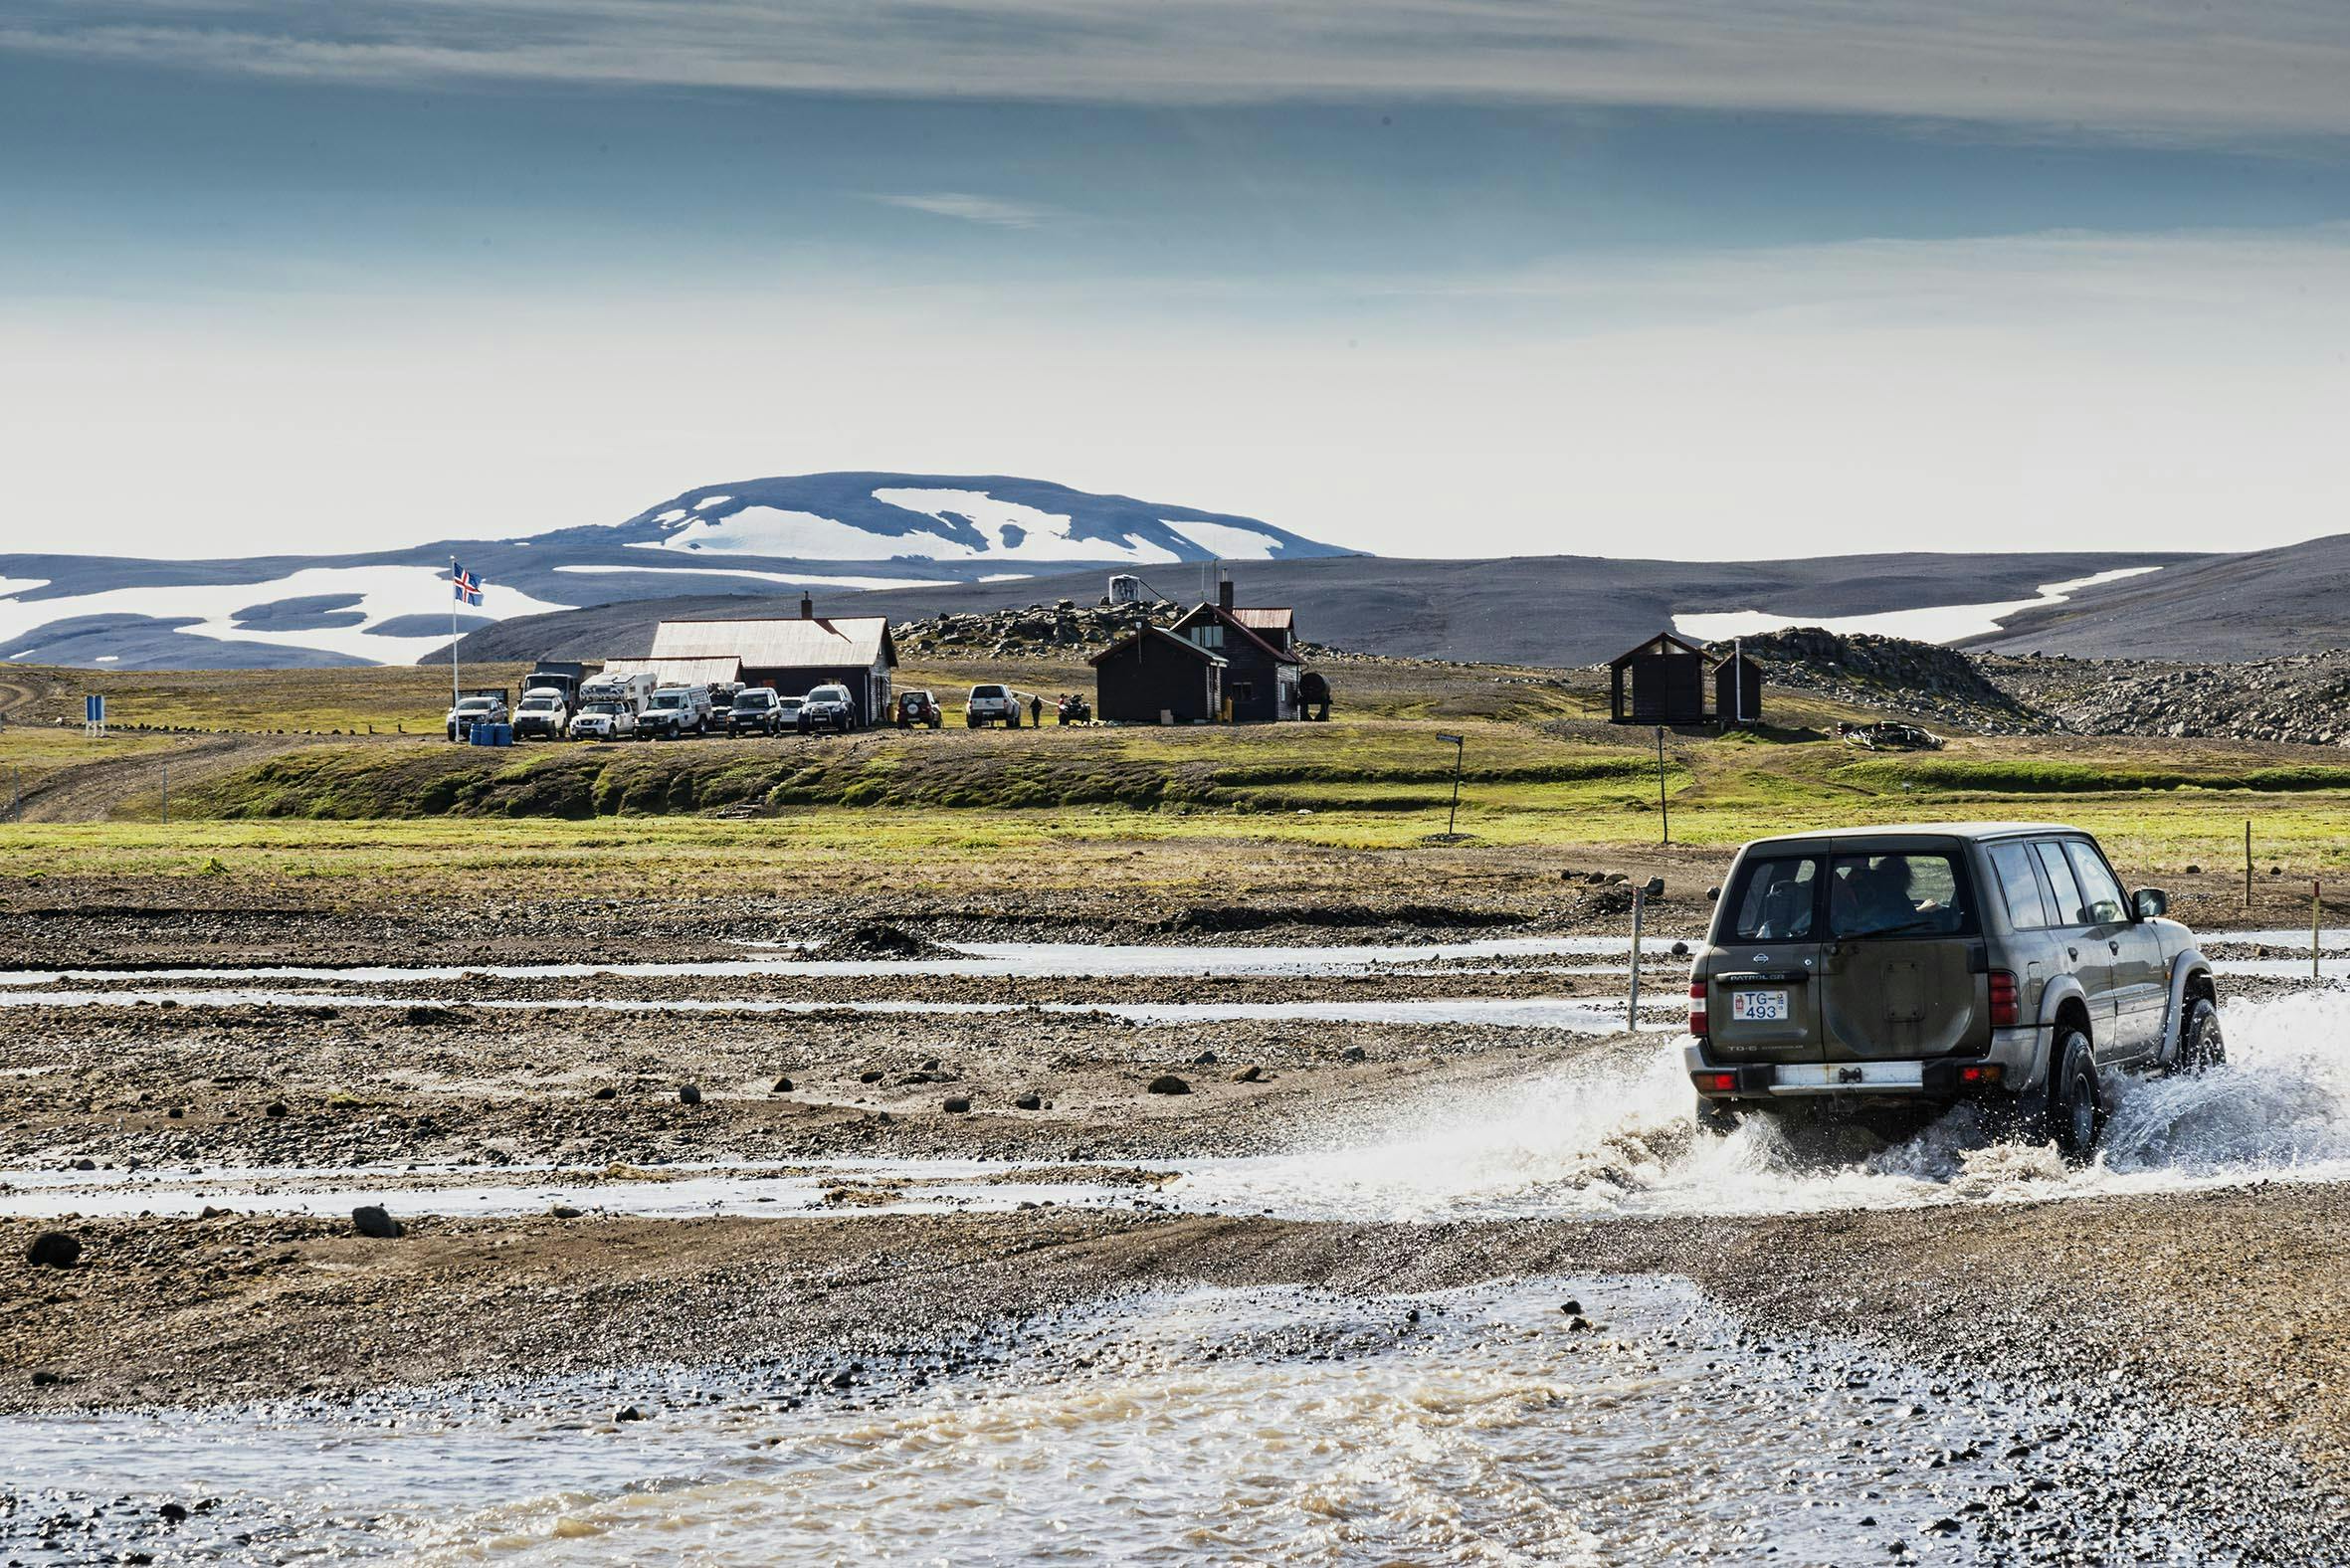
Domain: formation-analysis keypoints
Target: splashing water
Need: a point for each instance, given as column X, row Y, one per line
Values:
column 1612, row 1134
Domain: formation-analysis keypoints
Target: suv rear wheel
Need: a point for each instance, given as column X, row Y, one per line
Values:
column 2075, row 1113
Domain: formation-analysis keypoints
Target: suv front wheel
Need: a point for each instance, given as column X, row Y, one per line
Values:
column 2200, row 1047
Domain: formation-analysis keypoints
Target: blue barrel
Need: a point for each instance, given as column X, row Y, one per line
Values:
column 476, row 734
column 505, row 736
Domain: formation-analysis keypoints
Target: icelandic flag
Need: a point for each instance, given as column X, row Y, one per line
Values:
column 466, row 584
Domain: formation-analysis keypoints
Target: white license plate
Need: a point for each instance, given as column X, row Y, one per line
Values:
column 1758, row 1007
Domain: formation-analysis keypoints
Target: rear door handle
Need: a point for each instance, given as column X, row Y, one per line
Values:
column 2114, row 947
column 2072, row 953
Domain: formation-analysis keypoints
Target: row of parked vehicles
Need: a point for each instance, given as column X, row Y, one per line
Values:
column 561, row 701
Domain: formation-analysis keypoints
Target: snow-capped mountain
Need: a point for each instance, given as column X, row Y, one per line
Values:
column 818, row 531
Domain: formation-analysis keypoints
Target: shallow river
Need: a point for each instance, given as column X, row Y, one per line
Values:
column 1481, row 1426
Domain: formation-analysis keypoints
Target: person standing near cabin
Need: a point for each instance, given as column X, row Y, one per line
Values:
column 1035, row 711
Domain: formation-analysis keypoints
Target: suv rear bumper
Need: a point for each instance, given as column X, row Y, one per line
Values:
column 2011, row 1062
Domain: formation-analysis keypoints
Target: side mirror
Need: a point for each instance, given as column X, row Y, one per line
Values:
column 2151, row 904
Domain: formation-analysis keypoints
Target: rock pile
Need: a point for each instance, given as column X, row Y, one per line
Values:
column 1893, row 675
column 1056, row 630
column 2300, row 698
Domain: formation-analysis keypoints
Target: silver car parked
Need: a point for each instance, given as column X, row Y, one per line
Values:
column 1855, row 972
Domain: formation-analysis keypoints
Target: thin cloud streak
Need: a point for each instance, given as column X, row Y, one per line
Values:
column 990, row 211
column 2160, row 68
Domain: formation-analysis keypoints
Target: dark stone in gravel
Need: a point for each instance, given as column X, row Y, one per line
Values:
column 564, row 1211
column 1206, row 1058
column 85, row 1164
column 47, row 1379
column 1654, row 887
column 173, row 1512
column 870, row 1075
column 1030, row 1102
column 629, row 1413
column 371, row 1220
column 53, row 1250
column 1354, row 1053
column 1248, row 1074
column 783, row 1085
column 1169, row 1083
column 606, row 1092
column 957, row 1106
column 688, row 1095
column 274, row 1109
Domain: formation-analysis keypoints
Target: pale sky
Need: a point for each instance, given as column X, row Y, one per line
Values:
column 1465, row 277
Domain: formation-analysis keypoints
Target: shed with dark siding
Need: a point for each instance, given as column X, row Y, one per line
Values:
column 1737, row 691
column 1662, row 681
column 1150, row 671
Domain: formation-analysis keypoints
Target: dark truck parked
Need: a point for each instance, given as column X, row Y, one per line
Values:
column 1850, row 973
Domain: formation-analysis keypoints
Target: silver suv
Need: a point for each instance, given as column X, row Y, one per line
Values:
column 1858, row 971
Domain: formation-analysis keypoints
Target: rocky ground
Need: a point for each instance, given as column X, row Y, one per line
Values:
column 1041, row 630
column 2296, row 700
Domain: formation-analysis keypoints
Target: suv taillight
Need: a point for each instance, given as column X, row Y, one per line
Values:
column 1698, row 1023
column 2007, row 1001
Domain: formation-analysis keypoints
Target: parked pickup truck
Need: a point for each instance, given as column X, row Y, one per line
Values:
column 677, row 710
column 604, row 718
column 476, row 707
column 545, row 713
column 1881, row 974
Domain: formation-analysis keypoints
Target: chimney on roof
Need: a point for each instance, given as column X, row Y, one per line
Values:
column 1222, row 593
column 807, row 608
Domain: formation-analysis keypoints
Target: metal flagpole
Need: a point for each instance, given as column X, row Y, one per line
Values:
column 453, row 697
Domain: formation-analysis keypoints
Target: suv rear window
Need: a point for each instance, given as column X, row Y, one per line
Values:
column 987, row 691
column 1901, row 892
column 1777, row 901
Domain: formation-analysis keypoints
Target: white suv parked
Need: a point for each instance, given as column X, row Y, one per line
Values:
column 992, row 704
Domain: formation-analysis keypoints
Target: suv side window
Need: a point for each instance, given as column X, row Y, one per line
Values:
column 2026, row 910
column 2054, row 866
column 1777, row 902
column 2101, row 898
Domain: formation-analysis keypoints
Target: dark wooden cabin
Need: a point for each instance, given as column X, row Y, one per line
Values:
column 1149, row 672
column 1737, row 691
column 1261, row 674
column 1662, row 681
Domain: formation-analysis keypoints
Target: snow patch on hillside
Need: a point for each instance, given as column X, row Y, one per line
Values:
column 1018, row 533
column 382, row 593
column 1225, row 541
column 802, row 536
column 795, row 579
column 1943, row 623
